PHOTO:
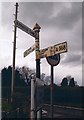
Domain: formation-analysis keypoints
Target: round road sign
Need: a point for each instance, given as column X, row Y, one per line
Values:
column 53, row 60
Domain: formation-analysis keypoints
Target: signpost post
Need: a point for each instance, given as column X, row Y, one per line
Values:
column 37, row 30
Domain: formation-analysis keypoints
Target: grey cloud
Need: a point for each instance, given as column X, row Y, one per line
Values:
column 31, row 12
column 68, row 17
column 36, row 12
column 6, row 62
column 7, row 14
column 42, row 12
column 72, row 59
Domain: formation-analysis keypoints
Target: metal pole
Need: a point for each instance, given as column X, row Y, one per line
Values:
column 14, row 51
column 51, row 98
column 32, row 97
column 37, row 30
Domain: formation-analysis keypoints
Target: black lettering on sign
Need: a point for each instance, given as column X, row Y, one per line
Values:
column 62, row 47
column 52, row 50
column 25, row 28
column 44, row 50
column 56, row 48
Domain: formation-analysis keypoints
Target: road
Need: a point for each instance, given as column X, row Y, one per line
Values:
column 63, row 112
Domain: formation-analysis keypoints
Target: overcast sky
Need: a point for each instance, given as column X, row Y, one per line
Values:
column 60, row 22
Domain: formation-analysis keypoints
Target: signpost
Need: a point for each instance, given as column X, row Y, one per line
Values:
column 52, row 55
column 25, row 28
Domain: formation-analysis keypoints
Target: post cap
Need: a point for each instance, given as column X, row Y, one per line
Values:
column 16, row 4
column 36, row 27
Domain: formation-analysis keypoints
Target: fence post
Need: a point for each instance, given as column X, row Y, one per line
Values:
column 33, row 97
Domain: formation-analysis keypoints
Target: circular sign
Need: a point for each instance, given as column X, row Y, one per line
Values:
column 53, row 60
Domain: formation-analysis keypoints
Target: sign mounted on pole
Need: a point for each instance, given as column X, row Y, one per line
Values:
column 25, row 28
column 53, row 50
column 28, row 51
column 53, row 60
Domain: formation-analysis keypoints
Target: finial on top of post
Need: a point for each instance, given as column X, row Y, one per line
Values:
column 36, row 27
column 16, row 4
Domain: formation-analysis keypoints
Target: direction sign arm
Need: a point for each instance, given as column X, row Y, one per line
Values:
column 28, row 51
column 25, row 28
